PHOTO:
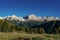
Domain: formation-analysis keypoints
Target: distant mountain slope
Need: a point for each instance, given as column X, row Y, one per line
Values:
column 12, row 25
column 49, row 26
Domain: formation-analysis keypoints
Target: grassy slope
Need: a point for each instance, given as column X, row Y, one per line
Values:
column 9, row 36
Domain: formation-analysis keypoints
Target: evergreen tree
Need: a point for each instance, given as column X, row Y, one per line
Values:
column 55, row 31
column 41, row 30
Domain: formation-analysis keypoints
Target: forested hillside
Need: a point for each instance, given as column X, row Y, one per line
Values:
column 51, row 27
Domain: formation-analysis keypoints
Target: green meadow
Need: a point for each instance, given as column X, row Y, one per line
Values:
column 25, row 36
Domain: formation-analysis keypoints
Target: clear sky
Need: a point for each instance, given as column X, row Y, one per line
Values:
column 25, row 7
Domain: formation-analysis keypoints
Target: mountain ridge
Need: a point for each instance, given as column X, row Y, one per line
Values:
column 30, row 17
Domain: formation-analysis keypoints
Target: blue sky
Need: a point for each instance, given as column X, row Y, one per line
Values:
column 26, row 7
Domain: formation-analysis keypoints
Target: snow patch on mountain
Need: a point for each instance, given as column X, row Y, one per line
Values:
column 14, row 17
column 30, row 17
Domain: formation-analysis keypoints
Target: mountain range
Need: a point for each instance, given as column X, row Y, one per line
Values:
column 30, row 17
column 48, row 23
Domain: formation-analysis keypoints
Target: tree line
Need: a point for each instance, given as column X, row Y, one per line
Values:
column 6, row 26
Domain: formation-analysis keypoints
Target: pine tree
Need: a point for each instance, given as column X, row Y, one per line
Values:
column 41, row 30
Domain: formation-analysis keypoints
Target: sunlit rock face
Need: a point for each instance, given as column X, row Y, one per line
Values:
column 31, row 17
column 1, row 18
column 34, row 18
column 38, row 18
column 21, row 19
column 57, row 18
column 49, row 18
column 14, row 17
